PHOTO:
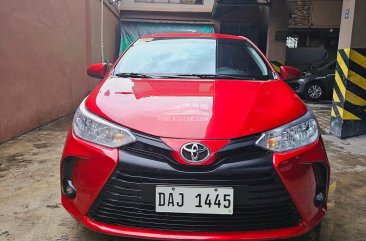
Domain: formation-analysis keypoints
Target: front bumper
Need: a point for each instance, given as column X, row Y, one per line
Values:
column 95, row 165
column 298, row 85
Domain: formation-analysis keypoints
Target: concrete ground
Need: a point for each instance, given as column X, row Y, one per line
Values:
column 30, row 206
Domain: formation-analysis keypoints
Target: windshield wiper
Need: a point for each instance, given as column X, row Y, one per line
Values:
column 180, row 76
column 134, row 75
column 216, row 76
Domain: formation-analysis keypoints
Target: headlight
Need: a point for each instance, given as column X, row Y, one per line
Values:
column 301, row 132
column 95, row 129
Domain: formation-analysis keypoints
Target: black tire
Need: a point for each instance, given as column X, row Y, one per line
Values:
column 314, row 91
column 313, row 235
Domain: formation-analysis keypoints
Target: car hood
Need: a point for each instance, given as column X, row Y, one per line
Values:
column 196, row 109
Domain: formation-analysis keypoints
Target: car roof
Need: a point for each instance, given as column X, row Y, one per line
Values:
column 193, row 35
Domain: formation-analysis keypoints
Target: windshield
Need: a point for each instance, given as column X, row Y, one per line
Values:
column 176, row 57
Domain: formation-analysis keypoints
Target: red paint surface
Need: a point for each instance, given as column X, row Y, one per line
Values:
column 196, row 109
column 209, row 111
column 93, row 167
column 289, row 73
column 97, row 70
column 296, row 172
column 293, row 167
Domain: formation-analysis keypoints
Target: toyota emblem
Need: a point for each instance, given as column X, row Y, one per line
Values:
column 195, row 152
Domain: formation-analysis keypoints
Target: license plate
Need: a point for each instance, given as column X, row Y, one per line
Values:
column 204, row 200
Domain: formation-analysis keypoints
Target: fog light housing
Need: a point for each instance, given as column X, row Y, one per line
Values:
column 66, row 176
column 321, row 175
column 69, row 189
column 319, row 198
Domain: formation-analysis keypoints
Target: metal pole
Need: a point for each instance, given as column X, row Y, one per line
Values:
column 102, row 29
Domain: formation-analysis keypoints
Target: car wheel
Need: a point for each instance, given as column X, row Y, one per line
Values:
column 313, row 235
column 314, row 91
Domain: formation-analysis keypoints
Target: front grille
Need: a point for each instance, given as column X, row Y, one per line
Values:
column 260, row 199
column 152, row 147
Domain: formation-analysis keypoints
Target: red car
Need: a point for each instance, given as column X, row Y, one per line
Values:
column 194, row 137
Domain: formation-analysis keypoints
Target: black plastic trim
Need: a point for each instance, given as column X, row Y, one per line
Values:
column 66, row 173
column 261, row 200
column 322, row 179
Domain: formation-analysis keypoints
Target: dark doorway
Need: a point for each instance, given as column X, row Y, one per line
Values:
column 240, row 29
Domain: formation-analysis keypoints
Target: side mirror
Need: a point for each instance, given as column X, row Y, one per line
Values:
column 97, row 70
column 289, row 73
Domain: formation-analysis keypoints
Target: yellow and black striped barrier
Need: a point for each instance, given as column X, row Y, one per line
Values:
column 277, row 65
column 349, row 94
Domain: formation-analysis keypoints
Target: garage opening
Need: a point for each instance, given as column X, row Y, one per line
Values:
column 131, row 29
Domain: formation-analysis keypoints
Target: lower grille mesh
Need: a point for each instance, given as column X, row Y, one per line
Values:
column 260, row 201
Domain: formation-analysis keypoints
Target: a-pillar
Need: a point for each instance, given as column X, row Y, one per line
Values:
column 348, row 116
column 277, row 22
